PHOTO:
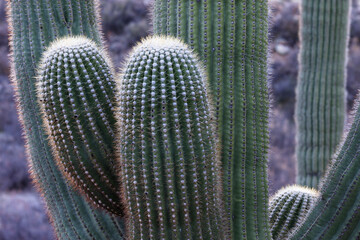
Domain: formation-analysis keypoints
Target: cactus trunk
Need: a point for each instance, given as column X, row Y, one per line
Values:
column 34, row 24
column 231, row 38
column 320, row 106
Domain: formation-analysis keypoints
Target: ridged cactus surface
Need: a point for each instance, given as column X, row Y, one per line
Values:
column 336, row 213
column 167, row 145
column 34, row 25
column 320, row 104
column 231, row 38
column 288, row 208
column 77, row 91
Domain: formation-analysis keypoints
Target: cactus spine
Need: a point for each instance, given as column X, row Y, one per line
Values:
column 34, row 24
column 320, row 106
column 231, row 39
column 166, row 145
column 335, row 214
column 76, row 88
column 288, row 208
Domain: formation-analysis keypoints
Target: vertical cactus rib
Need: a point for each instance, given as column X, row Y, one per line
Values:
column 34, row 24
column 231, row 39
column 320, row 107
column 166, row 145
column 335, row 214
column 288, row 208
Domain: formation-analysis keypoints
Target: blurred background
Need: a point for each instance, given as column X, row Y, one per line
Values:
column 124, row 22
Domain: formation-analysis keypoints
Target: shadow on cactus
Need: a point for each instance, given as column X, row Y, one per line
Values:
column 77, row 92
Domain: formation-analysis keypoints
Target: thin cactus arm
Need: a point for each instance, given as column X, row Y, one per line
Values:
column 166, row 145
column 336, row 213
column 34, row 24
column 231, row 38
column 320, row 106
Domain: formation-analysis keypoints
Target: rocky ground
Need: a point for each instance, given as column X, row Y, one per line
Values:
column 22, row 214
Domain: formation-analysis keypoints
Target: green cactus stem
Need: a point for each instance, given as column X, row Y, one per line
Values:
column 34, row 25
column 231, row 38
column 166, row 145
column 288, row 208
column 77, row 91
column 336, row 213
column 320, row 105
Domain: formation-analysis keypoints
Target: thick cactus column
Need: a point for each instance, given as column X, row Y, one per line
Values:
column 231, row 37
column 77, row 91
column 288, row 208
column 34, row 24
column 320, row 105
column 336, row 213
column 166, row 145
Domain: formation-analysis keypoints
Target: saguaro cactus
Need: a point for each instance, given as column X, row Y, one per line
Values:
column 166, row 145
column 77, row 91
column 288, row 208
column 335, row 214
column 231, row 37
column 34, row 25
column 320, row 105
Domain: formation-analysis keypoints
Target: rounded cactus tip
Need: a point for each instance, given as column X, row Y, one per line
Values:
column 296, row 189
column 72, row 42
column 159, row 43
column 76, row 90
column 167, row 153
column 166, row 44
column 288, row 208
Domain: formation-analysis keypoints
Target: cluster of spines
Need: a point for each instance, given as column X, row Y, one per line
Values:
column 336, row 213
column 77, row 91
column 288, row 208
column 166, row 145
column 231, row 39
column 320, row 105
column 34, row 25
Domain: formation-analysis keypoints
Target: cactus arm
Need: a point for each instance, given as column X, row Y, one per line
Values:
column 76, row 88
column 167, row 152
column 320, row 107
column 231, row 39
column 335, row 214
column 288, row 208
column 34, row 24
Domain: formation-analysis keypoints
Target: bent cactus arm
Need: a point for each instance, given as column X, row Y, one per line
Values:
column 34, row 25
column 336, row 213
